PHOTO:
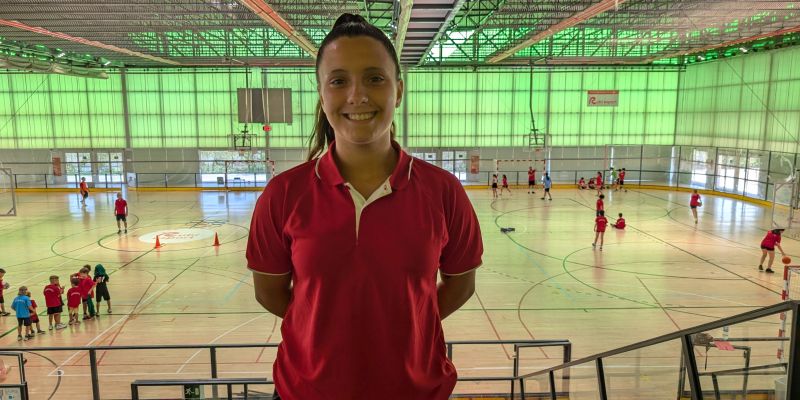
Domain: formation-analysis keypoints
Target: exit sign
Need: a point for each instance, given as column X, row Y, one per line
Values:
column 192, row 392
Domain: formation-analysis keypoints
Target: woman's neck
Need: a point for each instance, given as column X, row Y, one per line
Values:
column 369, row 162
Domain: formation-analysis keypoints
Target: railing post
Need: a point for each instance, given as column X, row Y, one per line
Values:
column 691, row 367
column 515, row 370
column 93, row 371
column 213, row 353
column 552, row 377
column 450, row 351
column 134, row 392
column 793, row 371
column 601, row 379
column 567, row 358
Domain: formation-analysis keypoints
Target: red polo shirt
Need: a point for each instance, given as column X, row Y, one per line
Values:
column 364, row 320
column 52, row 295
column 120, row 207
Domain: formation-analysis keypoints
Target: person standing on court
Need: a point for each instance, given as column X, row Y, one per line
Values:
column 121, row 212
column 548, row 183
column 768, row 245
column 346, row 247
column 531, row 180
column 84, row 188
column 695, row 202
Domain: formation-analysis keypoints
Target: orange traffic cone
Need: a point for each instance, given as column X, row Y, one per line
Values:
column 216, row 240
column 158, row 243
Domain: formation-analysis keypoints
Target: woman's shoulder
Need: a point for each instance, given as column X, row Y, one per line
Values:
column 297, row 175
column 429, row 172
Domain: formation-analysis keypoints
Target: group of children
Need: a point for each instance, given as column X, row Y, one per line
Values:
column 547, row 183
column 601, row 222
column 83, row 288
column 597, row 183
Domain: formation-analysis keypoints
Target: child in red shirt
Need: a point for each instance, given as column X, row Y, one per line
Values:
column 599, row 182
column 582, row 183
column 768, row 245
column 599, row 206
column 694, row 203
column 86, row 285
column 3, row 285
column 505, row 186
column 591, row 183
column 54, row 303
column 620, row 224
column 84, row 190
column 34, row 314
column 74, row 300
column 599, row 228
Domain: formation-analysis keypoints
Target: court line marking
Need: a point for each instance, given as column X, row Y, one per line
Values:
column 220, row 336
column 124, row 318
column 709, row 262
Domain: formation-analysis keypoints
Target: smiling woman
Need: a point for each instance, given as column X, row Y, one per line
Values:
column 347, row 246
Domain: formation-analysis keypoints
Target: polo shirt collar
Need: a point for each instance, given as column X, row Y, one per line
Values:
column 327, row 171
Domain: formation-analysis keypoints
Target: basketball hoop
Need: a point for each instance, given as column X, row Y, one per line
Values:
column 242, row 141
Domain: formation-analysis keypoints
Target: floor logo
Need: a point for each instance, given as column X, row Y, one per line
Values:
column 181, row 235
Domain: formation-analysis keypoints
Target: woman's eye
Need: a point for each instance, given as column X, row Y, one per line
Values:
column 337, row 82
column 376, row 79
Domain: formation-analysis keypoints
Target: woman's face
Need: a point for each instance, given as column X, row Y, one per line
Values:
column 359, row 89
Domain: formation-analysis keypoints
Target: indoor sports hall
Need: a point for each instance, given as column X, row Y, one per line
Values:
column 683, row 115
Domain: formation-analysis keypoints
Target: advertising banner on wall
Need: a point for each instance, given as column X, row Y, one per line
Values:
column 57, row 166
column 602, row 98
column 474, row 163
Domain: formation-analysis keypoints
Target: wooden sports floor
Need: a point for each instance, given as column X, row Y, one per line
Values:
column 543, row 281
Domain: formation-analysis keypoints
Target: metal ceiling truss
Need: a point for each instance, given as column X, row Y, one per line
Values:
column 163, row 33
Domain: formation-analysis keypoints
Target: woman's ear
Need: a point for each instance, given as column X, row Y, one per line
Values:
column 400, row 91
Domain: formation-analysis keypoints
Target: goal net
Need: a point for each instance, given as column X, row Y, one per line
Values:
column 791, row 291
column 8, row 199
column 517, row 170
column 786, row 206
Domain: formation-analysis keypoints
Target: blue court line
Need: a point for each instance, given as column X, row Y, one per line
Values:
column 233, row 290
column 527, row 252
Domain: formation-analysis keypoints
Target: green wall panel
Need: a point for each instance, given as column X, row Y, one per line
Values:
column 751, row 101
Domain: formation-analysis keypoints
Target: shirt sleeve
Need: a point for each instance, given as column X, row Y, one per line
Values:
column 268, row 247
column 464, row 247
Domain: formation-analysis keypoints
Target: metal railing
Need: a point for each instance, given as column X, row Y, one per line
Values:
column 689, row 361
column 213, row 349
column 229, row 383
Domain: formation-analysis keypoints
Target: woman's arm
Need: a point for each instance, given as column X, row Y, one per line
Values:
column 778, row 245
column 273, row 292
column 454, row 291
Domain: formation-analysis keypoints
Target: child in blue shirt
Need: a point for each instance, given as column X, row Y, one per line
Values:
column 23, row 307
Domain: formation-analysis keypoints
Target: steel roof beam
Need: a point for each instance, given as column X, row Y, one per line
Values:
column 271, row 17
column 575, row 19
column 402, row 24
column 726, row 44
column 93, row 43
column 443, row 29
